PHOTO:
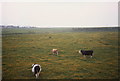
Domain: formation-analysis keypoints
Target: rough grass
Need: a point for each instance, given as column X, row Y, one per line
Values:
column 19, row 52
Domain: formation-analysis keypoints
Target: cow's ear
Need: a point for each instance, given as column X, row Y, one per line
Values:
column 33, row 65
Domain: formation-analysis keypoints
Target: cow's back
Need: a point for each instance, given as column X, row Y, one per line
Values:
column 37, row 69
column 87, row 52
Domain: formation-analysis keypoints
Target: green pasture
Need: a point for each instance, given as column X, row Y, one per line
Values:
column 20, row 51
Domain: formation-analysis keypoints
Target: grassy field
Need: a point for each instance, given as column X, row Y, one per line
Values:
column 20, row 51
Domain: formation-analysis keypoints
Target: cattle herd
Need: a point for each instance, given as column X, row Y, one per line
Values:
column 36, row 68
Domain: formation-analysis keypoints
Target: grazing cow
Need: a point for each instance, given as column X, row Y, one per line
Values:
column 55, row 51
column 86, row 52
column 36, row 69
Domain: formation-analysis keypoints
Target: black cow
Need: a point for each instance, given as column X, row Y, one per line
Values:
column 86, row 52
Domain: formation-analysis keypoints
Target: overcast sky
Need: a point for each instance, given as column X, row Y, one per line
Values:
column 57, row 14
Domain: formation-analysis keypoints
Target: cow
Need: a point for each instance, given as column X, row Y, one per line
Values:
column 36, row 69
column 55, row 51
column 86, row 52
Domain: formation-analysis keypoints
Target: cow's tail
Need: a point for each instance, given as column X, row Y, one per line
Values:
column 93, row 54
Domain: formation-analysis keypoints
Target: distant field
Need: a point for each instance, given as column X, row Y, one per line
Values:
column 20, row 51
column 14, row 31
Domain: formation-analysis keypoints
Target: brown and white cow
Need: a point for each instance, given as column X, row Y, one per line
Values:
column 55, row 51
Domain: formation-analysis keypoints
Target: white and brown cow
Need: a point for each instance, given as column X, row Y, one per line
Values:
column 55, row 51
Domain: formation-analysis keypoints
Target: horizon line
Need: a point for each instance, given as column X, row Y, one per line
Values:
column 56, row 26
column 59, row 26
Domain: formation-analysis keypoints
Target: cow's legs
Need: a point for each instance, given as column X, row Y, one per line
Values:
column 91, row 56
column 84, row 56
column 56, row 52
